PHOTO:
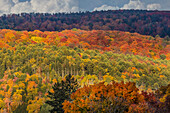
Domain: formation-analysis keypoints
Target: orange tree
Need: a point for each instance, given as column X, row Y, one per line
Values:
column 114, row 97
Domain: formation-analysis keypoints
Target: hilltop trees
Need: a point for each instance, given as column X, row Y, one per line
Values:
column 140, row 21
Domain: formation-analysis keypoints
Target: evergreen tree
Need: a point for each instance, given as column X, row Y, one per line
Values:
column 62, row 91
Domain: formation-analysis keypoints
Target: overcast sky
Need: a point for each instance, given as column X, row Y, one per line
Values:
column 54, row 6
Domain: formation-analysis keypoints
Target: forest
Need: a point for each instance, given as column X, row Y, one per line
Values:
column 83, row 71
column 141, row 21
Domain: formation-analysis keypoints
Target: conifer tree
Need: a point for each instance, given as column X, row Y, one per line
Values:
column 62, row 91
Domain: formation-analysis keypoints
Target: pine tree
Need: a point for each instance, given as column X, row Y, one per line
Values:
column 62, row 91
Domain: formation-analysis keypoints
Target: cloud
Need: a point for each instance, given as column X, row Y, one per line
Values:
column 153, row 6
column 15, row 1
column 53, row 6
column 105, row 7
column 21, row 7
column 134, row 4
column 137, row 4
column 41, row 6
column 5, row 6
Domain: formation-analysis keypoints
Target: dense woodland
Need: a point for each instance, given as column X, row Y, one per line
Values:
column 141, row 21
column 83, row 71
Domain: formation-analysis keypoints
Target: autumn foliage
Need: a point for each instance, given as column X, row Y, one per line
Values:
column 116, row 41
column 21, row 89
column 31, row 62
column 114, row 97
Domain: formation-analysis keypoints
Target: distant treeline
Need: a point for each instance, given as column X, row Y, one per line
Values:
column 140, row 21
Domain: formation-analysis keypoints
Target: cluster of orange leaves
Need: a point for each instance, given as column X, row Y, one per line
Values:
column 106, row 98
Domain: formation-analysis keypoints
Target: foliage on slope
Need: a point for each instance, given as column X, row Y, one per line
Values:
column 51, row 61
column 119, row 42
column 28, row 93
column 32, row 62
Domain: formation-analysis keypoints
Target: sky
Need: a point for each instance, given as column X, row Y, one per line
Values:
column 55, row 6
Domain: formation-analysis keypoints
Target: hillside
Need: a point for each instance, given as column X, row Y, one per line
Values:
column 141, row 21
column 35, row 66
column 82, row 52
column 116, row 41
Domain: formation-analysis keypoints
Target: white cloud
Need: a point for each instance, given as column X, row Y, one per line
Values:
column 105, row 7
column 15, row 1
column 5, row 6
column 41, row 6
column 53, row 6
column 153, row 6
column 21, row 7
column 134, row 4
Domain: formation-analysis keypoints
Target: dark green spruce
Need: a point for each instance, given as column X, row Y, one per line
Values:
column 62, row 91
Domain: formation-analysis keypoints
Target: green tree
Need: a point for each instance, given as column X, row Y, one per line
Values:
column 62, row 91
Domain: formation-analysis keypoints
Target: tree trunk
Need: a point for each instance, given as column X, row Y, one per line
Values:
column 71, row 71
column 74, row 71
column 62, row 72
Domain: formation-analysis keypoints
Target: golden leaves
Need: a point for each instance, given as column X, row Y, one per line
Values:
column 108, row 78
column 37, row 39
column 123, row 76
column 34, row 105
column 32, row 61
column 9, row 36
column 13, row 89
